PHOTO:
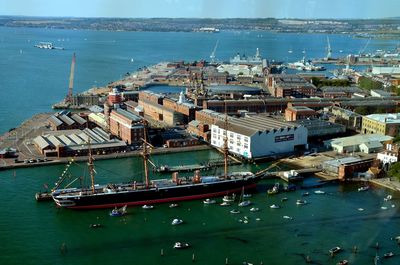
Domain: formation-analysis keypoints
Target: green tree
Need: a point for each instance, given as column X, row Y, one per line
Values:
column 394, row 170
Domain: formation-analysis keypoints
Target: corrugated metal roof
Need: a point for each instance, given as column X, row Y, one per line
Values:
column 66, row 119
column 41, row 142
column 78, row 119
column 66, row 139
column 53, row 119
column 55, row 141
column 129, row 115
column 76, row 139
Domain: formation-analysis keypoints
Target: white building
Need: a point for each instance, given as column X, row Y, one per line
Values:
column 389, row 155
column 259, row 136
column 367, row 143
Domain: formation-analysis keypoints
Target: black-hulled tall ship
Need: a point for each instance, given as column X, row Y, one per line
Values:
column 154, row 191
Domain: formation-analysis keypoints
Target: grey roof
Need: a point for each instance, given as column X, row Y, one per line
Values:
column 41, row 142
column 93, row 135
column 96, row 109
column 53, row 119
column 347, row 89
column 256, row 124
column 76, row 139
column 100, row 132
column 78, row 119
column 129, row 115
column 55, row 141
column 375, row 144
column 66, row 139
column 66, row 119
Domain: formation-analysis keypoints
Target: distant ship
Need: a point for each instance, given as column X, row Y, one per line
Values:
column 205, row 29
column 155, row 191
column 238, row 59
column 47, row 45
column 305, row 65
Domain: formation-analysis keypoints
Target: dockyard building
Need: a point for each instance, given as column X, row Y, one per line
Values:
column 75, row 143
column 127, row 126
column 259, row 136
column 371, row 143
column 384, row 124
column 293, row 113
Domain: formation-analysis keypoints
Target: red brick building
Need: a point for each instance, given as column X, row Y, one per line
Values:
column 299, row 113
column 127, row 126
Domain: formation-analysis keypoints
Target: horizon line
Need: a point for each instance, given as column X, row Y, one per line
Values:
column 89, row 17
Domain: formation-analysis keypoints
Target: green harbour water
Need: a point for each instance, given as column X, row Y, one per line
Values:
column 34, row 233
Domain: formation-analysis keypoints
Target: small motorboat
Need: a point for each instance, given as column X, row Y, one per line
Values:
column 388, row 255
column 274, row 206
column 227, row 198
column 343, row 262
column 247, row 195
column 180, row 245
column 384, row 208
column 274, row 190
column 287, row 217
column 388, row 198
column 225, row 204
column 234, row 211
column 147, row 206
column 176, row 221
column 360, row 209
column 301, row 202
column 173, row 205
column 244, row 203
column 284, row 199
column 95, row 225
column 119, row 212
column 335, row 250
column 254, row 209
column 319, row 192
column 305, row 194
column 209, row 201
column 363, row 188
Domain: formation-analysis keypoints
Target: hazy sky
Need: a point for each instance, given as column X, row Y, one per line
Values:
column 204, row 8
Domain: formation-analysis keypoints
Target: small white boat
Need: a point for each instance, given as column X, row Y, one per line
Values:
column 176, row 221
column 234, row 211
column 258, row 219
column 301, row 202
column 247, row 195
column 393, row 205
column 246, row 221
column 360, row 209
column 388, row 255
column 363, row 188
column 388, row 198
column 319, row 192
column 244, row 203
column 384, row 208
column 147, row 206
column 284, row 199
column 227, row 198
column 254, row 209
column 335, row 250
column 225, row 204
column 287, row 217
column 274, row 206
column 305, row 194
column 180, row 245
column 209, row 201
column 173, row 205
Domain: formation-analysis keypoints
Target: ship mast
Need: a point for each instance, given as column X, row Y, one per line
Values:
column 91, row 165
column 225, row 149
column 145, row 154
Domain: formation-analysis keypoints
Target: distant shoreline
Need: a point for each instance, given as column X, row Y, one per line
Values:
column 370, row 28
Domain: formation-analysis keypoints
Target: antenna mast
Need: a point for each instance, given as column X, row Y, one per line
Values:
column 145, row 154
column 71, row 80
column 226, row 142
column 91, row 165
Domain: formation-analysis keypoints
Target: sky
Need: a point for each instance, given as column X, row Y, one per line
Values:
column 203, row 8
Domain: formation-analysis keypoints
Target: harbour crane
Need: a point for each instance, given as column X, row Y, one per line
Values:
column 68, row 98
column 212, row 55
column 365, row 46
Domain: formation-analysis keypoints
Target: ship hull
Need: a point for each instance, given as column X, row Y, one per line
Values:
column 161, row 195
